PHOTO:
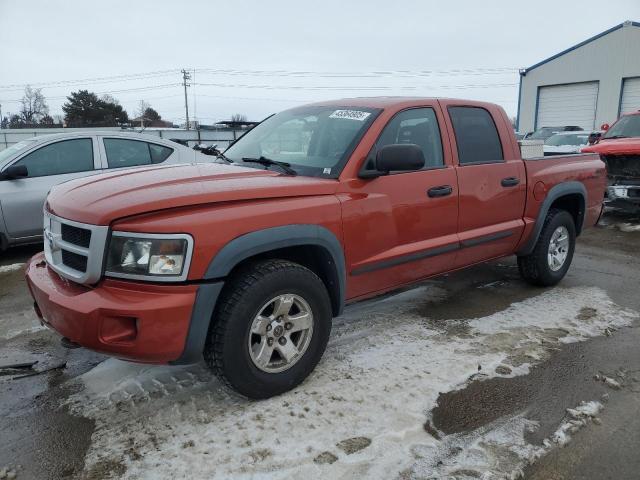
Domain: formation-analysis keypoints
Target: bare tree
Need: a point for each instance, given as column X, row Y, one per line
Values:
column 109, row 99
column 238, row 117
column 34, row 107
column 142, row 108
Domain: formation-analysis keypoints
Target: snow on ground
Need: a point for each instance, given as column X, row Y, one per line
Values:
column 11, row 268
column 628, row 227
column 361, row 414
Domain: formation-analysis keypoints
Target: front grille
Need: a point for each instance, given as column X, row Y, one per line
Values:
column 76, row 235
column 622, row 165
column 75, row 261
column 74, row 250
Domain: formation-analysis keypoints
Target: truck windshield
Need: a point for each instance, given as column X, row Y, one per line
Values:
column 627, row 126
column 312, row 140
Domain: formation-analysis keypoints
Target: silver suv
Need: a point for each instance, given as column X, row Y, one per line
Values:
column 30, row 168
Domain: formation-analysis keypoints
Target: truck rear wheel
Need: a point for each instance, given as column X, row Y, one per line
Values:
column 270, row 329
column 553, row 252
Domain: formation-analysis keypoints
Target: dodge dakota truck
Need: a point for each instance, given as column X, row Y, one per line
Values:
column 619, row 148
column 244, row 262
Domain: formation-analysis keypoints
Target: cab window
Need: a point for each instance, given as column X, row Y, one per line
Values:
column 417, row 126
column 476, row 135
column 67, row 156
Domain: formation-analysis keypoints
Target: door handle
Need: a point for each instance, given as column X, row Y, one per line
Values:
column 441, row 191
column 510, row 182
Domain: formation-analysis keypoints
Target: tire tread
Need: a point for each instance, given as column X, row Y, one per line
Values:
column 233, row 293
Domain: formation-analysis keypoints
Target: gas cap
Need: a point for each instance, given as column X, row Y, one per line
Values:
column 539, row 191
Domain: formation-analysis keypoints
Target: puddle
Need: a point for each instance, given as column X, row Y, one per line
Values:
column 571, row 374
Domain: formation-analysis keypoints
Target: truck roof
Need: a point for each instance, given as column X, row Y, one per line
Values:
column 394, row 102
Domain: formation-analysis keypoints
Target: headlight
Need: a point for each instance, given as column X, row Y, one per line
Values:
column 159, row 257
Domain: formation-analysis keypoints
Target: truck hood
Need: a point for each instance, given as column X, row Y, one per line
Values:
column 101, row 199
column 617, row 146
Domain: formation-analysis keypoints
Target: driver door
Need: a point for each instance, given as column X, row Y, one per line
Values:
column 402, row 227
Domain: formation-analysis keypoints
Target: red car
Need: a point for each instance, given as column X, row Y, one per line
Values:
column 247, row 261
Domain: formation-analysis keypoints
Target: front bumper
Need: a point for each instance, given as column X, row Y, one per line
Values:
column 624, row 197
column 630, row 193
column 141, row 322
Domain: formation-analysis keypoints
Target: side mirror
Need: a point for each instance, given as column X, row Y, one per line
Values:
column 394, row 158
column 604, row 127
column 13, row 172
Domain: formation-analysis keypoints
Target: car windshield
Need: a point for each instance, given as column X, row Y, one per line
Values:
column 574, row 140
column 15, row 148
column 627, row 126
column 313, row 140
column 543, row 133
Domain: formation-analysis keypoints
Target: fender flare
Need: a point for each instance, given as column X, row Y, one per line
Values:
column 558, row 191
column 261, row 241
column 247, row 246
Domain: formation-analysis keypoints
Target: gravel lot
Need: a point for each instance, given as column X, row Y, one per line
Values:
column 472, row 375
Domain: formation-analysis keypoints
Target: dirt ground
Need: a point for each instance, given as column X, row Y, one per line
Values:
column 471, row 375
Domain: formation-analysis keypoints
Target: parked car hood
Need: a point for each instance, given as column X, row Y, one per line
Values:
column 101, row 199
column 616, row 146
column 560, row 149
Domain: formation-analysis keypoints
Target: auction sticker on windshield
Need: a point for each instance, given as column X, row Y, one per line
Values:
column 350, row 114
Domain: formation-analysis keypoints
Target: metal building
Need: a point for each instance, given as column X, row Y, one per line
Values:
column 587, row 85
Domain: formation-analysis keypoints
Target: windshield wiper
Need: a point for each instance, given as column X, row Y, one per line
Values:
column 222, row 156
column 286, row 167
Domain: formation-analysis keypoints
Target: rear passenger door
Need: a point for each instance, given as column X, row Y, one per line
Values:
column 491, row 180
column 127, row 152
column 22, row 199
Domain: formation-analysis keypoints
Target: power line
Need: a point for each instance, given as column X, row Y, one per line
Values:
column 372, row 74
column 93, row 80
column 125, row 90
column 271, row 73
column 355, row 87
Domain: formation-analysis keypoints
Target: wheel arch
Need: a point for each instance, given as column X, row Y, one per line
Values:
column 313, row 246
column 569, row 196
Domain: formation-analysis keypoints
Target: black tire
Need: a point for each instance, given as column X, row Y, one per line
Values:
column 227, row 349
column 535, row 268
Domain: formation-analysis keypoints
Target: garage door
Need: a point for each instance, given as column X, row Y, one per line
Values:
column 571, row 104
column 630, row 101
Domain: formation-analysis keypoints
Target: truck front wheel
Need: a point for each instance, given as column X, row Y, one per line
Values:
column 553, row 252
column 270, row 328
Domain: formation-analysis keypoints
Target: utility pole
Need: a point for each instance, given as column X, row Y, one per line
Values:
column 186, row 76
column 142, row 114
column 0, row 115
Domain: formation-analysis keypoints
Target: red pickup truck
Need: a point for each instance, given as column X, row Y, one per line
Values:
column 246, row 261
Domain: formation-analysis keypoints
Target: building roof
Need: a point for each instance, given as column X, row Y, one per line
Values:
column 588, row 40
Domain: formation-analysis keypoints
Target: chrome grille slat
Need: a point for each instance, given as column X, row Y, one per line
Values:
column 73, row 249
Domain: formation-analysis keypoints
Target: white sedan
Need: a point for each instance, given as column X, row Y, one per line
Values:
column 30, row 168
column 564, row 143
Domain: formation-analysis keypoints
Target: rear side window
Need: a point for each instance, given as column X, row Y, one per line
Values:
column 159, row 153
column 476, row 135
column 123, row 152
column 68, row 156
column 418, row 126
